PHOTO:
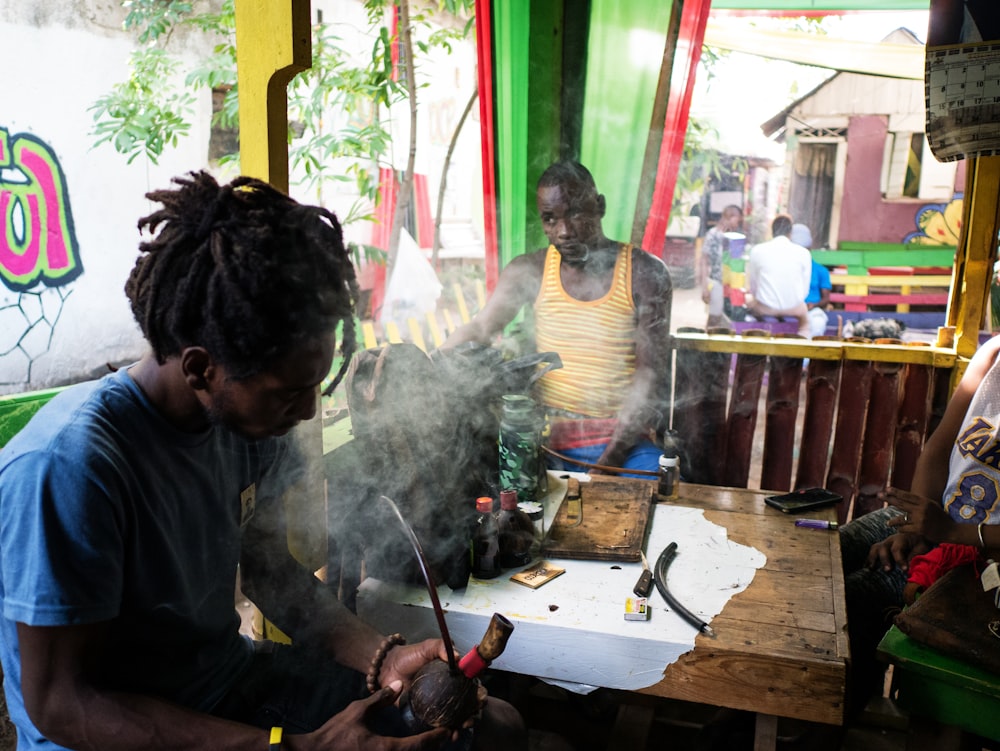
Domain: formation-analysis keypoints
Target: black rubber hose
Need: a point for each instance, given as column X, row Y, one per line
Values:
column 660, row 579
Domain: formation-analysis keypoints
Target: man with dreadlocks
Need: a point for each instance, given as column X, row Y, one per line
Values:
column 127, row 503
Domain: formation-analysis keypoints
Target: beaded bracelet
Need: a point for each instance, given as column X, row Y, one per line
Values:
column 371, row 679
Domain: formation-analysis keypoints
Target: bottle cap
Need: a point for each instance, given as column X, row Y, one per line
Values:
column 508, row 499
column 484, row 504
column 668, row 461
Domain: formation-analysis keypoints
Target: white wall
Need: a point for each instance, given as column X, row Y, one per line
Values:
column 66, row 61
column 61, row 58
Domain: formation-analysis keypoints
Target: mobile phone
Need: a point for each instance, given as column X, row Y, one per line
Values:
column 806, row 499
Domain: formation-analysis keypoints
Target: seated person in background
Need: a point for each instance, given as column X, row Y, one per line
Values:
column 819, row 284
column 778, row 274
column 604, row 306
column 710, row 264
column 953, row 499
column 127, row 503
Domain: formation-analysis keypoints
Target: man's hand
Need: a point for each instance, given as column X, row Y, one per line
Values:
column 351, row 729
column 896, row 551
column 921, row 516
column 403, row 662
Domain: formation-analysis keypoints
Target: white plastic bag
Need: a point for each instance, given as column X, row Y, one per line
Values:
column 413, row 289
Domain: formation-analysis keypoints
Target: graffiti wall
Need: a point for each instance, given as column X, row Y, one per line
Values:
column 937, row 224
column 39, row 252
column 68, row 210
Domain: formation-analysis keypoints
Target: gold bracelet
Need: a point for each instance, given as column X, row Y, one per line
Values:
column 979, row 530
column 371, row 679
column 275, row 739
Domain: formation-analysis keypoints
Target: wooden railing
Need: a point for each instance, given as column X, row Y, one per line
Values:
column 867, row 409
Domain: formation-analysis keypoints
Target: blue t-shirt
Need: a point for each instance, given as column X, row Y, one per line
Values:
column 109, row 513
column 819, row 280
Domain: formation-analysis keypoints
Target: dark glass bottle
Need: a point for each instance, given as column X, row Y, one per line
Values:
column 485, row 541
column 668, row 484
column 517, row 532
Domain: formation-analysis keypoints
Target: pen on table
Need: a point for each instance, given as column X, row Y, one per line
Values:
column 816, row 524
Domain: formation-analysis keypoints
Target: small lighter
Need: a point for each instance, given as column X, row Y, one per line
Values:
column 816, row 524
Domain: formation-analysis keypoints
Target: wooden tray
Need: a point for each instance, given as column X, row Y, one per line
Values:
column 616, row 513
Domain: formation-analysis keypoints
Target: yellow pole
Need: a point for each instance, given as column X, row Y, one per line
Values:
column 976, row 253
column 273, row 43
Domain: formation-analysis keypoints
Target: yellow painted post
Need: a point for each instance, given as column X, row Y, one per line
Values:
column 392, row 333
column 976, row 253
column 415, row 333
column 432, row 326
column 480, row 293
column 272, row 44
column 463, row 310
column 368, row 334
column 448, row 322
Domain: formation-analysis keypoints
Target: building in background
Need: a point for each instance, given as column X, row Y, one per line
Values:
column 858, row 166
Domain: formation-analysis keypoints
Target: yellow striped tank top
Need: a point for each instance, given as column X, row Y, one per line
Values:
column 595, row 340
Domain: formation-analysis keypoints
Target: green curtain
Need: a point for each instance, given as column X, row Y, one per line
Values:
column 625, row 53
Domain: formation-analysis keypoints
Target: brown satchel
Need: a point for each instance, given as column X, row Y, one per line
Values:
column 956, row 617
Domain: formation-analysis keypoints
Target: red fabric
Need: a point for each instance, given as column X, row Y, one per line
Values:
column 385, row 207
column 574, row 434
column 927, row 568
column 487, row 136
column 425, row 222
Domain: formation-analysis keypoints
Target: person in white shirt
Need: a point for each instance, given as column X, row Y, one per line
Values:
column 778, row 275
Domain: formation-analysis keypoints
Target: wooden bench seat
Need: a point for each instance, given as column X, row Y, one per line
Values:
column 870, row 302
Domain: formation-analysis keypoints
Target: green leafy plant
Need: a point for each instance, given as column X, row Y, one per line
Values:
column 146, row 113
column 336, row 108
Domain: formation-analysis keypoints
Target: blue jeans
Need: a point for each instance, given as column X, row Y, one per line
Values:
column 873, row 598
column 644, row 455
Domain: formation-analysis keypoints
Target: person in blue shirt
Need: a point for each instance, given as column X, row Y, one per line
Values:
column 818, row 299
column 127, row 503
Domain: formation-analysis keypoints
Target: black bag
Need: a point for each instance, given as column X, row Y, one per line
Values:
column 425, row 435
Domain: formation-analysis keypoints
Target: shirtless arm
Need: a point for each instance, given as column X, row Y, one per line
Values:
column 517, row 286
column 648, row 398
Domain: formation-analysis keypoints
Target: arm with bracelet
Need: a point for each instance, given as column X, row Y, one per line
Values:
column 953, row 492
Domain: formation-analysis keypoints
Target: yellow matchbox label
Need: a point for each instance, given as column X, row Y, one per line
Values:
column 636, row 609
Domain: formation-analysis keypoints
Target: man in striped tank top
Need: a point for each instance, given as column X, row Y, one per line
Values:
column 604, row 306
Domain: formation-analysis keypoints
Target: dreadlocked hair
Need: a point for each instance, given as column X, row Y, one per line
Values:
column 242, row 270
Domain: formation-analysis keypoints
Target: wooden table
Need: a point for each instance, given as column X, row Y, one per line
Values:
column 780, row 650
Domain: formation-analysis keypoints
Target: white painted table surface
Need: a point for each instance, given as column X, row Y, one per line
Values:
column 571, row 631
